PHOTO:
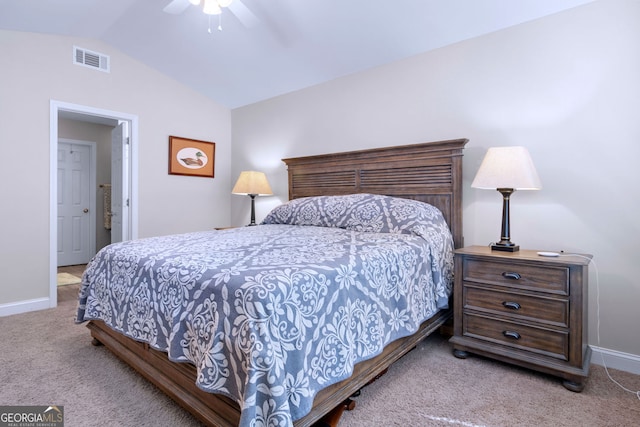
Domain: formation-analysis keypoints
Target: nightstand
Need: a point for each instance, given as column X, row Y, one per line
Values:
column 524, row 309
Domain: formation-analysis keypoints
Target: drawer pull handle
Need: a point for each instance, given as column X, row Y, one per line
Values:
column 511, row 275
column 511, row 334
column 511, row 304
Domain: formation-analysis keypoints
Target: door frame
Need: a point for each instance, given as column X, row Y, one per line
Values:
column 130, row 179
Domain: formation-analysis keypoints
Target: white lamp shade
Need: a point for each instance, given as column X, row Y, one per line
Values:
column 252, row 182
column 507, row 167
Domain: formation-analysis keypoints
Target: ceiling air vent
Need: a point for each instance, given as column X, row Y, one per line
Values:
column 90, row 59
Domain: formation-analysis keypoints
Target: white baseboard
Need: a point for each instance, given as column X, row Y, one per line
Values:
column 616, row 359
column 24, row 306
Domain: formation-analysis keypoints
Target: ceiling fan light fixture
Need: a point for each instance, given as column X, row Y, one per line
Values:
column 224, row 3
column 211, row 7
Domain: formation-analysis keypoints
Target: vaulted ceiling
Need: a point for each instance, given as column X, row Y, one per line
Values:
column 267, row 48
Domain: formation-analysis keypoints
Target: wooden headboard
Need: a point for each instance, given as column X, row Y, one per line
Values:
column 430, row 172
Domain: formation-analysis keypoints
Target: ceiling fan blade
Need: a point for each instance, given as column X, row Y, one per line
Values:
column 244, row 15
column 176, row 7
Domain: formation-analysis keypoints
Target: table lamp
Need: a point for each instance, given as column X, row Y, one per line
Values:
column 506, row 169
column 252, row 184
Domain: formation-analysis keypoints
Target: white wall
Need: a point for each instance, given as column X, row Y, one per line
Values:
column 565, row 86
column 37, row 68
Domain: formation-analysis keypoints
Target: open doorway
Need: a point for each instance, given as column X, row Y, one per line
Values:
column 122, row 174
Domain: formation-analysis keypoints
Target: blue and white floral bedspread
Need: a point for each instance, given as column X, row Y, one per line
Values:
column 272, row 314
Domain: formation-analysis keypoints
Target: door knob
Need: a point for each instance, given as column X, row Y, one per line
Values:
column 85, row 210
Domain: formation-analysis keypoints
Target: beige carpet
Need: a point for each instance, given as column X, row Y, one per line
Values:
column 433, row 388
column 68, row 279
column 48, row 360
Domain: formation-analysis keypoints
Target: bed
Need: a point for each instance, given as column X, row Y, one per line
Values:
column 155, row 297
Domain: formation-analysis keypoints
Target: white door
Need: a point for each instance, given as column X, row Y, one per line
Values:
column 119, row 195
column 76, row 219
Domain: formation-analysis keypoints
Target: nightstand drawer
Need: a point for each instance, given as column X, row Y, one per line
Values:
column 523, row 276
column 547, row 310
column 538, row 340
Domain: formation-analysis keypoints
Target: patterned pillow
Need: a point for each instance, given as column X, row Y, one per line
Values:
column 362, row 212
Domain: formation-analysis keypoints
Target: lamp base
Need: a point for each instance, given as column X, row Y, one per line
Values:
column 253, row 208
column 505, row 248
column 505, row 244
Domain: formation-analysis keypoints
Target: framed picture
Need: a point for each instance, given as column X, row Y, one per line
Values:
column 191, row 157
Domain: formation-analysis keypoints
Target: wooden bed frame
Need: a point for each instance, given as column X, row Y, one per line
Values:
column 430, row 172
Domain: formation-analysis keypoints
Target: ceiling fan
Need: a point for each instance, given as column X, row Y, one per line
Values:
column 214, row 7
